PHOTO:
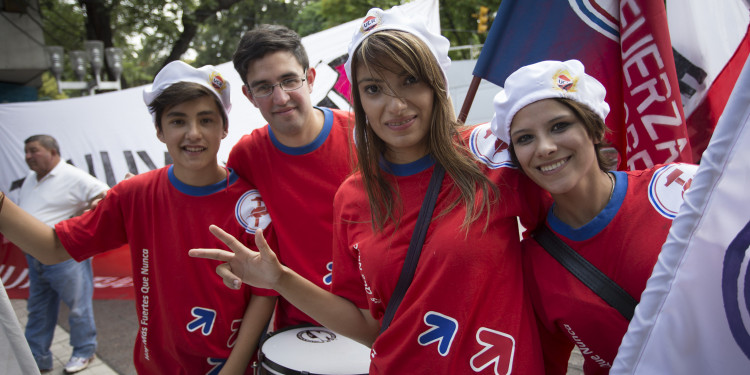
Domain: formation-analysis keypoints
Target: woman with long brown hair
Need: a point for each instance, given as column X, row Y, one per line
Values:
column 465, row 310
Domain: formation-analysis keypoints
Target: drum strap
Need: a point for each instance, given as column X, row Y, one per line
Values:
column 415, row 246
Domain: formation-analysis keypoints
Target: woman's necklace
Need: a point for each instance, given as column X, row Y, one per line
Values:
column 611, row 192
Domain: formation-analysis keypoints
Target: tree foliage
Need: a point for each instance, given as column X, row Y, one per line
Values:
column 153, row 33
column 457, row 18
column 219, row 36
column 48, row 91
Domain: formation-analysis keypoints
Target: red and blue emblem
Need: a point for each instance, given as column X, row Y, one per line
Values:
column 667, row 187
column 563, row 80
column 251, row 212
column 370, row 23
column 489, row 149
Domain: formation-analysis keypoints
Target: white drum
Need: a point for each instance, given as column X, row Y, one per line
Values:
column 312, row 350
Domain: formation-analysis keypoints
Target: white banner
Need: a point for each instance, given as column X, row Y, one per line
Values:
column 694, row 316
column 711, row 41
column 111, row 134
column 706, row 34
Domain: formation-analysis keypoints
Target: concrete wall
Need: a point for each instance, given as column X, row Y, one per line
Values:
column 22, row 56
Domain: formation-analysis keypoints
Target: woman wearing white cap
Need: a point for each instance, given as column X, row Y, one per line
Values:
column 465, row 310
column 552, row 114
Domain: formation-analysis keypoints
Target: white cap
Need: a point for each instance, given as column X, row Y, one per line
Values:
column 178, row 71
column 545, row 80
column 396, row 19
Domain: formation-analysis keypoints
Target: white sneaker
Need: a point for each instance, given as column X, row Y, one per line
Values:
column 77, row 364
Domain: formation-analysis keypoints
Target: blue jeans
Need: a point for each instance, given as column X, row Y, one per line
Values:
column 73, row 283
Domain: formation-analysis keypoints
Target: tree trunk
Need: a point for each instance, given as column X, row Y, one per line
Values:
column 99, row 27
column 98, row 20
column 190, row 23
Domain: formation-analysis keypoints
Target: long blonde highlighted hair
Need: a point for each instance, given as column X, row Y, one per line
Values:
column 379, row 52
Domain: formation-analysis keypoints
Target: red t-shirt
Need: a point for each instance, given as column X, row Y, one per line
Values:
column 298, row 185
column 466, row 310
column 187, row 318
column 623, row 242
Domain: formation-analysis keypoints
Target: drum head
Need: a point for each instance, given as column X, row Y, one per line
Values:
column 313, row 350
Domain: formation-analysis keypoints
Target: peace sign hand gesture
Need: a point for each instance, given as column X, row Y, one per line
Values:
column 260, row 269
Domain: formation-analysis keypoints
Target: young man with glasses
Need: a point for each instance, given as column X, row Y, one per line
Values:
column 298, row 160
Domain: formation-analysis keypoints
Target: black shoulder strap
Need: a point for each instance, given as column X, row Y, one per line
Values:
column 597, row 281
column 415, row 246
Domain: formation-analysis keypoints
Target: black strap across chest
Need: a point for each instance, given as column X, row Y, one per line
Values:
column 415, row 245
column 591, row 276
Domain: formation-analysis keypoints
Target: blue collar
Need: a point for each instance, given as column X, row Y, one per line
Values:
column 408, row 169
column 598, row 223
column 312, row 146
column 200, row 191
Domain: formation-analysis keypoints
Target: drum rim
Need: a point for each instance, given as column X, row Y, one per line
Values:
column 263, row 360
column 287, row 371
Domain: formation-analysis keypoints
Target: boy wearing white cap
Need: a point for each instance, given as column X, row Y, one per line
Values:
column 187, row 324
column 552, row 113
column 298, row 160
column 465, row 310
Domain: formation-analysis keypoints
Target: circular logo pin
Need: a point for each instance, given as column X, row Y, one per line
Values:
column 667, row 188
column 251, row 212
column 489, row 149
column 371, row 21
column 217, row 81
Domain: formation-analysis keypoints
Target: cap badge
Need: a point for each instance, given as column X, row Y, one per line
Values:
column 371, row 21
column 563, row 82
column 217, row 81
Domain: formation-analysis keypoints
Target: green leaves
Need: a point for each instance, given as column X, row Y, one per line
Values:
column 155, row 32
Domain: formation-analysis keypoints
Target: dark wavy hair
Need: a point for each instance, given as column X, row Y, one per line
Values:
column 265, row 39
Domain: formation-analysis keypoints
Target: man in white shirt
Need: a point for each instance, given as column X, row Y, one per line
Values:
column 54, row 191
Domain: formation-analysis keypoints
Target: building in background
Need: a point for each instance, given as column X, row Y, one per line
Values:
column 22, row 56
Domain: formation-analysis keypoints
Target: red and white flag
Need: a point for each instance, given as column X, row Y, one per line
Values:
column 710, row 42
column 694, row 316
column 625, row 44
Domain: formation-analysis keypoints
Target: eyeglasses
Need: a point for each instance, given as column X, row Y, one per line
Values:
column 289, row 84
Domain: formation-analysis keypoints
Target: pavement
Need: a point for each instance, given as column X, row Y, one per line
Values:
column 115, row 335
column 116, row 329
